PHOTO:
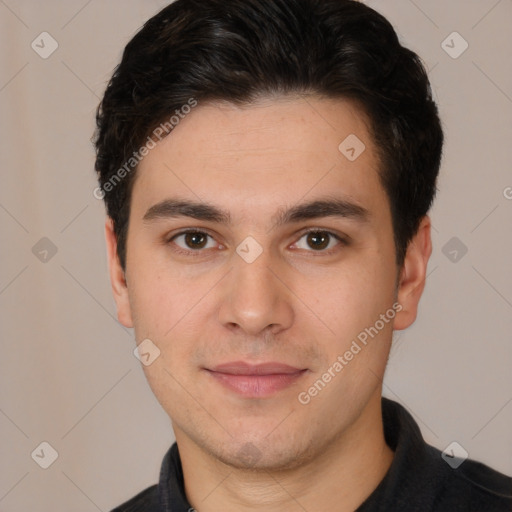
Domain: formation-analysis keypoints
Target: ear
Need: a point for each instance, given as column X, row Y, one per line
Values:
column 117, row 277
column 413, row 274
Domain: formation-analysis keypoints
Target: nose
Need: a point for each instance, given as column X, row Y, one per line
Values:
column 255, row 298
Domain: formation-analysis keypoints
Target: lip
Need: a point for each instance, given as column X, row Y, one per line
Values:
column 255, row 380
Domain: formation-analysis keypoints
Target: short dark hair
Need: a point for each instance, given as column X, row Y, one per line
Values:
column 242, row 50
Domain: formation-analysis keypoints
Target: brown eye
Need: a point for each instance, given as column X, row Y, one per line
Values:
column 318, row 241
column 194, row 240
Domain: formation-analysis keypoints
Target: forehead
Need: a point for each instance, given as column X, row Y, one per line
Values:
column 255, row 157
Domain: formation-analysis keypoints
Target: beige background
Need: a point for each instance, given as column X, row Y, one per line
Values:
column 68, row 374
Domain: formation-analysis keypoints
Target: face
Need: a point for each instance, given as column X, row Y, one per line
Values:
column 258, row 255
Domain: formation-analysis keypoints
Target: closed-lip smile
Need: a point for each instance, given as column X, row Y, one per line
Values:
column 255, row 380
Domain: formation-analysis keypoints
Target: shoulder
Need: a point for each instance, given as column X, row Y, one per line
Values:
column 422, row 478
column 472, row 486
column 146, row 501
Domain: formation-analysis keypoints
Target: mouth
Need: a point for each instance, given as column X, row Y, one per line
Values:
column 255, row 381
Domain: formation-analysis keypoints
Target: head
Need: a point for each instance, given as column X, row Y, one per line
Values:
column 298, row 143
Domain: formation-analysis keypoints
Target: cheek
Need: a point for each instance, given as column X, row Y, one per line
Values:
column 164, row 312
column 156, row 299
column 351, row 297
column 171, row 311
column 158, row 293
column 352, row 307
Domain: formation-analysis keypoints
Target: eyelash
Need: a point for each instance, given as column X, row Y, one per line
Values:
column 343, row 242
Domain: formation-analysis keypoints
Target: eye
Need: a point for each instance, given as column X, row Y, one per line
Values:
column 193, row 240
column 318, row 240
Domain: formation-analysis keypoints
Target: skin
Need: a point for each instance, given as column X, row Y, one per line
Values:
column 295, row 304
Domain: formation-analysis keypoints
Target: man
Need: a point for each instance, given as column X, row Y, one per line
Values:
column 267, row 168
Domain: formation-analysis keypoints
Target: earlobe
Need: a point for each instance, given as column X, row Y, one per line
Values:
column 117, row 277
column 413, row 274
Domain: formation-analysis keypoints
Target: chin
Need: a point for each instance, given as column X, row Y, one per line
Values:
column 262, row 455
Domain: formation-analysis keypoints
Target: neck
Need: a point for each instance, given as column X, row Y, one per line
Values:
column 339, row 479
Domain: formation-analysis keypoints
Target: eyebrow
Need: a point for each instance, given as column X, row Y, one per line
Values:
column 329, row 207
column 170, row 208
